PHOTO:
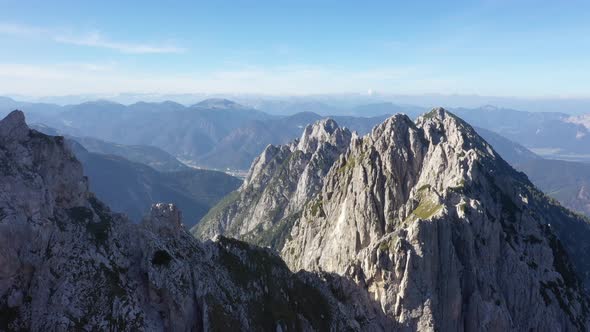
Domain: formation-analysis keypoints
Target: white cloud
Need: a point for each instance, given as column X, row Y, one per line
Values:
column 90, row 39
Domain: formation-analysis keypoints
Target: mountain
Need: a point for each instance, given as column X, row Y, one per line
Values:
column 551, row 135
column 143, row 154
column 214, row 133
column 510, row 151
column 278, row 186
column 148, row 155
column 341, row 105
column 185, row 132
column 220, row 133
column 442, row 232
column 430, row 206
column 219, row 103
column 165, row 106
column 9, row 104
column 241, row 146
column 69, row 263
column 194, row 133
column 119, row 175
column 566, row 181
column 131, row 188
column 289, row 107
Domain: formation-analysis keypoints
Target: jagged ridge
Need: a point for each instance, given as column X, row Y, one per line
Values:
column 279, row 184
column 68, row 263
column 444, row 233
column 436, row 226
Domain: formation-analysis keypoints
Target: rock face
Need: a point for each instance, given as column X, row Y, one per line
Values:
column 280, row 183
column 68, row 263
column 444, row 234
column 429, row 220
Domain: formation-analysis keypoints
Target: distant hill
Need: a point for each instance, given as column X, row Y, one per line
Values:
column 550, row 134
column 566, row 181
column 512, row 152
column 148, row 155
column 131, row 187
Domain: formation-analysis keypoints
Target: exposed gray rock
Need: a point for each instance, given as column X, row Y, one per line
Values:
column 68, row 263
column 429, row 220
column 444, row 233
column 280, row 183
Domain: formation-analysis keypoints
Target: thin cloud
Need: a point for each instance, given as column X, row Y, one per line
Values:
column 93, row 39
column 20, row 30
column 111, row 78
column 96, row 40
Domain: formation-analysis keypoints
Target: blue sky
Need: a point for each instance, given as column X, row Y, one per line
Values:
column 501, row 48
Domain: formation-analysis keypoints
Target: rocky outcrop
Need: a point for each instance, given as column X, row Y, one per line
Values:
column 280, row 183
column 444, row 234
column 68, row 263
column 432, row 223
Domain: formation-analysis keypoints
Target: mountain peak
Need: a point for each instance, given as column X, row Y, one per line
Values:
column 411, row 194
column 14, row 125
column 164, row 218
column 328, row 124
column 323, row 131
column 437, row 113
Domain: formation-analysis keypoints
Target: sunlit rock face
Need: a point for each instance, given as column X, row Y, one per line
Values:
column 280, row 183
column 426, row 217
column 444, row 234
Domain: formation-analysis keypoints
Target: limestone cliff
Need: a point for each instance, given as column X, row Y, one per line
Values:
column 444, row 233
column 280, row 182
column 68, row 263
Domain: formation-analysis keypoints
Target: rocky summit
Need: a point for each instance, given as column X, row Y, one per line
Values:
column 426, row 218
column 280, row 182
column 67, row 263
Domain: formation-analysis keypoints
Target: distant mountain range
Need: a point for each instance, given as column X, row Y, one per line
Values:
column 131, row 178
column 220, row 134
column 566, row 181
column 338, row 102
column 131, row 187
column 551, row 135
column 149, row 155
column 215, row 133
